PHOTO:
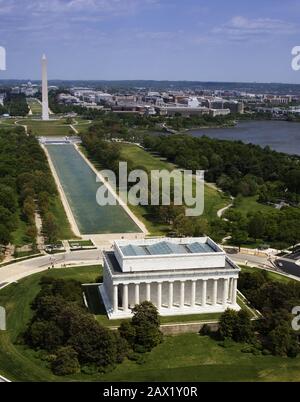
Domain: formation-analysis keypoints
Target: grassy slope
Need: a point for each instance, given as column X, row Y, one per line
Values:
column 47, row 128
column 214, row 200
column 250, row 204
column 35, row 106
column 64, row 229
column 19, row 235
column 186, row 357
column 271, row 275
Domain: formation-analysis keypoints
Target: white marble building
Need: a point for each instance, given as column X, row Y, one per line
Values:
column 179, row 276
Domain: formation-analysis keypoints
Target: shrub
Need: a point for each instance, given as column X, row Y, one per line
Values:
column 45, row 335
column 66, row 362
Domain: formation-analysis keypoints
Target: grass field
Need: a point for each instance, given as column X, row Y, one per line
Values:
column 250, row 204
column 82, row 125
column 188, row 357
column 35, row 106
column 273, row 276
column 214, row 200
column 64, row 229
column 47, row 128
column 81, row 243
column 5, row 123
column 19, row 237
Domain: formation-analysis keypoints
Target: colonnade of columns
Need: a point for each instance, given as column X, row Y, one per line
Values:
column 229, row 291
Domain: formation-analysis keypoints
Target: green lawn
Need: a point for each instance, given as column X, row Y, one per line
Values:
column 250, row 204
column 64, row 228
column 82, row 126
column 19, row 237
column 6, row 122
column 81, row 243
column 188, row 357
column 271, row 275
column 140, row 157
column 35, row 106
column 47, row 128
column 213, row 199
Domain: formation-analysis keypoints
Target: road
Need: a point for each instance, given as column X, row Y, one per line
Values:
column 280, row 265
column 241, row 258
column 14, row 272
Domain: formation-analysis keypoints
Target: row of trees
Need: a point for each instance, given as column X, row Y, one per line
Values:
column 275, row 300
column 236, row 167
column 15, row 105
column 179, row 122
column 26, row 184
column 74, row 341
column 279, row 228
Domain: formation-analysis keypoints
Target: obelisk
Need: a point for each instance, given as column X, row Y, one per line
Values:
column 45, row 89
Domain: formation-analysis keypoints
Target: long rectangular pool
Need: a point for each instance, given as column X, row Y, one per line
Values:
column 80, row 187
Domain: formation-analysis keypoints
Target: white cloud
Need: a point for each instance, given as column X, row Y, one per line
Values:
column 241, row 28
column 5, row 7
column 114, row 7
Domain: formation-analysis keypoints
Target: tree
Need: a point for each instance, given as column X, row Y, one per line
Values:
column 239, row 237
column 5, row 236
column 50, row 228
column 256, row 226
column 44, row 335
column 243, row 331
column 146, row 323
column 282, row 342
column 66, row 362
column 227, row 324
column 128, row 332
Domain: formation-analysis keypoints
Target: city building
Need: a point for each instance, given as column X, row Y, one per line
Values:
column 182, row 110
column 179, row 276
column 219, row 112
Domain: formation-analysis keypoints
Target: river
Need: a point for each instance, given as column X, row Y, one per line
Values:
column 281, row 136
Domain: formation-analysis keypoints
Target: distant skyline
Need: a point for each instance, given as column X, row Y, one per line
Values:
column 189, row 40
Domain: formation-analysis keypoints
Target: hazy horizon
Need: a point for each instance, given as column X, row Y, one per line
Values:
column 116, row 40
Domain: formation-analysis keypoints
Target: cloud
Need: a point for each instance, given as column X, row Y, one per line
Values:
column 107, row 7
column 242, row 28
column 5, row 7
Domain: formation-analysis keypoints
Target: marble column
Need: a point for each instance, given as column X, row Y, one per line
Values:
column 148, row 291
column 171, row 294
column 234, row 291
column 125, row 298
column 230, row 289
column 204, row 293
column 225, row 291
column 137, row 293
column 182, row 294
column 193, row 294
column 215, row 293
column 159, row 293
column 116, row 302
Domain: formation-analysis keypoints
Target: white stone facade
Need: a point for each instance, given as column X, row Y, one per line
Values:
column 181, row 282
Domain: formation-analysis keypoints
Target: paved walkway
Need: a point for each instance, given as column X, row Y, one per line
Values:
column 14, row 272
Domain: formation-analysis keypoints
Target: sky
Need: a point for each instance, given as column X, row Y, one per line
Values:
column 215, row 40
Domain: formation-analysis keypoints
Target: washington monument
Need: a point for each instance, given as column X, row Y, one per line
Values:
column 45, row 89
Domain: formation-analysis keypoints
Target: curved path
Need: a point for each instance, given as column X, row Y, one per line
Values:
column 14, row 272
column 221, row 212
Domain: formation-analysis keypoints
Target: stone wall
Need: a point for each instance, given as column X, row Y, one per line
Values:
column 184, row 328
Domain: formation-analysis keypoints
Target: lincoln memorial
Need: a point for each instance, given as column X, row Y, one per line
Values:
column 179, row 276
